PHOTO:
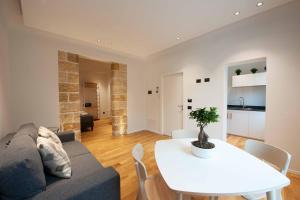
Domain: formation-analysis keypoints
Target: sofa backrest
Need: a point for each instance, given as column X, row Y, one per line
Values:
column 21, row 168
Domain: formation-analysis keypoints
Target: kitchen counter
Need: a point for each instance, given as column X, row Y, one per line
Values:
column 246, row 108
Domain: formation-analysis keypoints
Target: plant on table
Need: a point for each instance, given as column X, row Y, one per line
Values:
column 203, row 117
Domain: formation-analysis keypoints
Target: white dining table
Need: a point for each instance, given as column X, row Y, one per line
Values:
column 230, row 172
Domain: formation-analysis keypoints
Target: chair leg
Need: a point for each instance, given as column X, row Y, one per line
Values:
column 180, row 196
column 139, row 196
column 271, row 195
column 278, row 195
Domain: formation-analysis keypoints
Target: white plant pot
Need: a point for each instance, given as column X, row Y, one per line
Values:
column 203, row 153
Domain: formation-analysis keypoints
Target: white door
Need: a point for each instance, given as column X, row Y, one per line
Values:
column 172, row 103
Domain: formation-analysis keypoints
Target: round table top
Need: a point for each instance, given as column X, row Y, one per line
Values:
column 231, row 171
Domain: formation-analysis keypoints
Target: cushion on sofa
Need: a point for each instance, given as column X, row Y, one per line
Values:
column 55, row 159
column 74, row 148
column 46, row 133
column 28, row 129
column 21, row 169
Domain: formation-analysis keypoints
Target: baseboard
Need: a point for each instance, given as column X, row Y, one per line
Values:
column 294, row 171
column 136, row 131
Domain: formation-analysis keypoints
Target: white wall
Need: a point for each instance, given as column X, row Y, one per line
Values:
column 253, row 96
column 274, row 35
column 4, row 79
column 33, row 59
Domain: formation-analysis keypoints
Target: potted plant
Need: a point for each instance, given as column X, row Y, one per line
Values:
column 203, row 116
column 253, row 70
column 238, row 71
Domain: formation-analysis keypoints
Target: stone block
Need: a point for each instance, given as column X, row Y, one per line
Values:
column 63, row 97
column 62, row 77
column 68, row 87
column 65, row 66
column 62, row 56
column 67, row 118
column 73, row 57
column 73, row 78
column 74, row 97
column 69, row 107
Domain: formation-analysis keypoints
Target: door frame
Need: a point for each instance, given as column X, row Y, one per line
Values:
column 162, row 110
column 226, row 71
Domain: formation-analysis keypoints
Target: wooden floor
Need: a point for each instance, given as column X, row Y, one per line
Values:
column 116, row 152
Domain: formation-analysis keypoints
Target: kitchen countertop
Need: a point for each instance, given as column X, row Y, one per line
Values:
column 246, row 108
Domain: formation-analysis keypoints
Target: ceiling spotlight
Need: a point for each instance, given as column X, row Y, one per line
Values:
column 178, row 38
column 237, row 13
column 98, row 41
column 259, row 4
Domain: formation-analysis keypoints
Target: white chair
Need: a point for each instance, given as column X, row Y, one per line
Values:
column 182, row 133
column 150, row 187
column 274, row 156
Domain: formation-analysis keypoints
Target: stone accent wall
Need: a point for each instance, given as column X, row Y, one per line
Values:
column 69, row 100
column 119, row 98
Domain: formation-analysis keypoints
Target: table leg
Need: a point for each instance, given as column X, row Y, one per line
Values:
column 271, row 195
column 213, row 198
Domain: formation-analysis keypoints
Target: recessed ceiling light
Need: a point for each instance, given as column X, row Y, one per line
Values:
column 259, row 4
column 237, row 13
column 178, row 38
column 98, row 41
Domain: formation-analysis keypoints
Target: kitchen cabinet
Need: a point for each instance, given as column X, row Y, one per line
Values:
column 246, row 123
column 245, row 80
column 238, row 123
column 256, row 124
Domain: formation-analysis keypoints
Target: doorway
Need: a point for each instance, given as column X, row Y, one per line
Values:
column 172, row 102
column 71, row 103
column 246, row 98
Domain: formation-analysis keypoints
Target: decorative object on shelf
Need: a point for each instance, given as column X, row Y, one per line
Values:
column 238, row 71
column 253, row 70
column 265, row 68
column 202, row 147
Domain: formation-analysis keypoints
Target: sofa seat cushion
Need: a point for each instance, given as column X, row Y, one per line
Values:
column 89, row 181
column 74, row 149
column 21, row 169
column 28, row 129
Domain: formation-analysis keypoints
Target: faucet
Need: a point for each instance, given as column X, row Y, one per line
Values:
column 242, row 102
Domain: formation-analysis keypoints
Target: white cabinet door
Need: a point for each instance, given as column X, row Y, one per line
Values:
column 256, row 124
column 238, row 123
column 249, row 80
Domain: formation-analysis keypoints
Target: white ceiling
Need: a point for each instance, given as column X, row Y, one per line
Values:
column 138, row 27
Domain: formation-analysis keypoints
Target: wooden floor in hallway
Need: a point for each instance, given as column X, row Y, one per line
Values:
column 116, row 152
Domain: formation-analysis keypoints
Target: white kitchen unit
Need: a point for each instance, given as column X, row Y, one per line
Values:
column 246, row 123
column 246, row 80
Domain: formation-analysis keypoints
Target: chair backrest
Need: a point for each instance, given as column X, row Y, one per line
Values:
column 182, row 133
column 278, row 157
column 138, row 153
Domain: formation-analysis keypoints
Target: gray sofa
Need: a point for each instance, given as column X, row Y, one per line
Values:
column 22, row 175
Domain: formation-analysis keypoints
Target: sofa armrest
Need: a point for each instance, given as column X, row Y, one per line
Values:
column 66, row 136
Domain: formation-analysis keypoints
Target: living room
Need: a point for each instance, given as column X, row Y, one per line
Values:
column 161, row 43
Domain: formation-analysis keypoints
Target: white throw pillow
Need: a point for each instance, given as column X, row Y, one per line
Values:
column 46, row 133
column 54, row 157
